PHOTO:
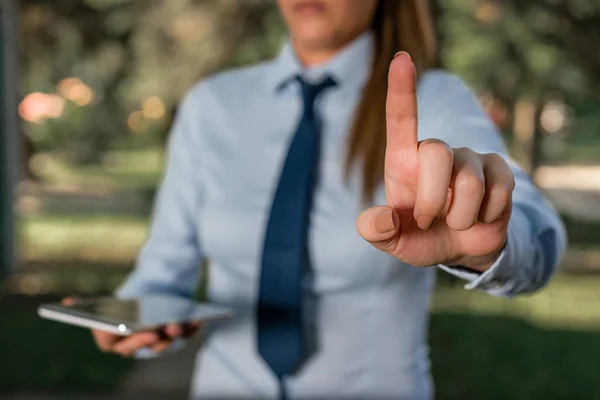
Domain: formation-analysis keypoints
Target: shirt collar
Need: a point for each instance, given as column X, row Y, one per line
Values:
column 349, row 68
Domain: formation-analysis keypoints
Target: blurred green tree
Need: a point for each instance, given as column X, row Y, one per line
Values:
column 526, row 55
column 132, row 60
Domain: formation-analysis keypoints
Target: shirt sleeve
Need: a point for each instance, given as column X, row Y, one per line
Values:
column 170, row 261
column 536, row 236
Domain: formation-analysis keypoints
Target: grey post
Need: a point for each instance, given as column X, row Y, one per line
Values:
column 9, row 139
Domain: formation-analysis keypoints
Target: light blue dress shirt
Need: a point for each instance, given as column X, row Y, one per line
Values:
column 225, row 153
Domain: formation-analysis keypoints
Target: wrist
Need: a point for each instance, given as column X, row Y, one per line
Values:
column 479, row 264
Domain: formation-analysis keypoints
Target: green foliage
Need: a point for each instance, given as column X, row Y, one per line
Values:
column 533, row 53
column 497, row 357
column 512, row 49
column 127, row 51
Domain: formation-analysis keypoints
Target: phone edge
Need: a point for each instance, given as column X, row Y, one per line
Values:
column 121, row 329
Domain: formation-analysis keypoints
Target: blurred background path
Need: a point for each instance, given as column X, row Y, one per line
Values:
column 573, row 189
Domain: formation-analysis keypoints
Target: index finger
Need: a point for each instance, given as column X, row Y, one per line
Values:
column 401, row 104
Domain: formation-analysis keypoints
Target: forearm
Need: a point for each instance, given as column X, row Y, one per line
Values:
column 170, row 261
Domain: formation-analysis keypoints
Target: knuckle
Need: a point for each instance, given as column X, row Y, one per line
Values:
column 501, row 194
column 470, row 183
column 497, row 163
column 468, row 155
column 434, row 143
column 494, row 158
column 464, row 150
column 436, row 149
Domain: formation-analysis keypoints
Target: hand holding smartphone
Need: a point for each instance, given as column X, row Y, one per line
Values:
column 158, row 341
column 125, row 326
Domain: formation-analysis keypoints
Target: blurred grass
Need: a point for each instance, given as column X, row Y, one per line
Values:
column 109, row 238
column 116, row 238
column 582, row 233
column 577, row 150
column 581, row 149
column 542, row 346
column 581, row 153
column 131, row 169
column 570, row 300
column 43, row 356
column 499, row 357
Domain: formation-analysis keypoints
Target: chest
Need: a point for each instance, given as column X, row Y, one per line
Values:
column 240, row 173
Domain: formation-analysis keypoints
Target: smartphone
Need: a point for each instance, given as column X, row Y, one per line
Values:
column 127, row 316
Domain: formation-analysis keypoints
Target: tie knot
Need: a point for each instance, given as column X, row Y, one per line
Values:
column 310, row 91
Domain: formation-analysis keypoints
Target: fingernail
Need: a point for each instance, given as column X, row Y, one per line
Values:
column 425, row 222
column 402, row 54
column 385, row 221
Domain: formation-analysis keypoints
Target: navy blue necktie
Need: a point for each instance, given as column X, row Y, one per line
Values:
column 280, row 331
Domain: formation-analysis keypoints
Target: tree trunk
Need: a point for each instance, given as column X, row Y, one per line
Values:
column 535, row 146
column 437, row 13
column 28, row 152
column 528, row 133
column 8, row 134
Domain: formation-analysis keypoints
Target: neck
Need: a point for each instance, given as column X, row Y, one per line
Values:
column 313, row 55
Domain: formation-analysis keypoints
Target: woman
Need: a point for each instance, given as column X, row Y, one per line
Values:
column 272, row 166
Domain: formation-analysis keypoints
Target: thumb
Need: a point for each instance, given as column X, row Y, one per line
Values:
column 379, row 226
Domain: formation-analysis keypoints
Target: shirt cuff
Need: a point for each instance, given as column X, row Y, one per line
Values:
column 498, row 280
